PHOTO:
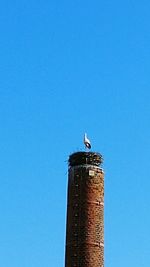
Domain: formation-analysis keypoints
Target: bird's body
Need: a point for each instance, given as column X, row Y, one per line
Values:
column 87, row 142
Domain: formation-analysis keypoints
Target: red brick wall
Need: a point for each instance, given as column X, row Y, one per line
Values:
column 85, row 222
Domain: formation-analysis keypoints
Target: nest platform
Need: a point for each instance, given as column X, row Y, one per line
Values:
column 81, row 158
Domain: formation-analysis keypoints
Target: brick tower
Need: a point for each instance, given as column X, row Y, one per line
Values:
column 85, row 211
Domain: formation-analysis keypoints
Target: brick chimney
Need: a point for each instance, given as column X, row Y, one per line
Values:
column 85, row 211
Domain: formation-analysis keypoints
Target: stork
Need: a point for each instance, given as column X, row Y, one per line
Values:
column 87, row 142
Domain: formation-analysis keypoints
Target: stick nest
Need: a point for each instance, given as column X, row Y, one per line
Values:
column 80, row 158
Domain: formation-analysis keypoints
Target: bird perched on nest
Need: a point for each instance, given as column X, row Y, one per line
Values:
column 87, row 142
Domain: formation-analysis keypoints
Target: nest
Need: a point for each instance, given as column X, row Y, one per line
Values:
column 80, row 158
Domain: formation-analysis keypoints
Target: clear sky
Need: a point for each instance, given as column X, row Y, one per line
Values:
column 67, row 67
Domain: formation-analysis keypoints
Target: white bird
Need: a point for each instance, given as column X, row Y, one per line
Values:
column 87, row 141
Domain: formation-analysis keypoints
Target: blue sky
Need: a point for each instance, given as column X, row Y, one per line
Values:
column 67, row 67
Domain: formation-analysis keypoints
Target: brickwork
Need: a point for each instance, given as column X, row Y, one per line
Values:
column 85, row 222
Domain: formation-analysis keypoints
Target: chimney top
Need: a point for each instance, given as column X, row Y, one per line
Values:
column 80, row 158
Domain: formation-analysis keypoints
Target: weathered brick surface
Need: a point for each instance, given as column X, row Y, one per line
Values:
column 85, row 222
